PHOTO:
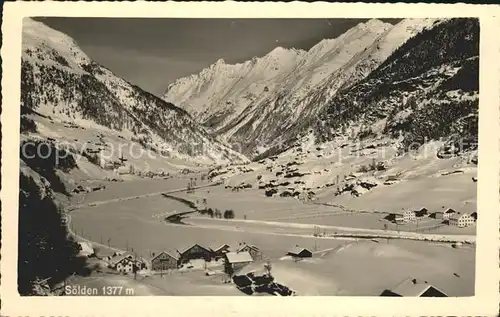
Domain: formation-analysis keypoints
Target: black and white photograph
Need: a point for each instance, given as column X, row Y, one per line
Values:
column 248, row 157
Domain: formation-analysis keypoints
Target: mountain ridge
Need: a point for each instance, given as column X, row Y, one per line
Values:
column 254, row 112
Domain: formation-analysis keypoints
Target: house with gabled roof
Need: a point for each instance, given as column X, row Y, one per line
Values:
column 234, row 261
column 403, row 216
column 461, row 220
column 126, row 262
column 195, row 251
column 219, row 251
column 298, row 252
column 411, row 287
column 163, row 261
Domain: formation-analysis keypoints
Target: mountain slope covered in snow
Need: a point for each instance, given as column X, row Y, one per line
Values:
column 259, row 103
column 61, row 82
column 426, row 90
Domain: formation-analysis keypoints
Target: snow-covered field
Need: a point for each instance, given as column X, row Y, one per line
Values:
column 132, row 224
column 367, row 268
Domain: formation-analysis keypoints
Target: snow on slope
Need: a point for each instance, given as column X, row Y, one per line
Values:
column 257, row 104
column 61, row 81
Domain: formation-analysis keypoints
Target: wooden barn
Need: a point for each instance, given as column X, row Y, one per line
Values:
column 298, row 252
column 193, row 252
column 164, row 261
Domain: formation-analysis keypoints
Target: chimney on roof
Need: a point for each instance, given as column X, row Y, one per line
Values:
column 414, row 281
column 425, row 282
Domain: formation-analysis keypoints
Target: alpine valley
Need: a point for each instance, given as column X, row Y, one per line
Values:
column 314, row 148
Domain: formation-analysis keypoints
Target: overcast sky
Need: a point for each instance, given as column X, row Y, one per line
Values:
column 152, row 53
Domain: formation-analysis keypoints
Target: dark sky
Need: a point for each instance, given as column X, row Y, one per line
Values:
column 153, row 52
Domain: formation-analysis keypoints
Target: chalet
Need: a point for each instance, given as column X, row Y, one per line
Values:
column 195, row 251
column 420, row 212
column 163, row 261
column 298, row 252
column 461, row 220
column 236, row 260
column 414, row 288
column 408, row 216
column 474, row 215
column 253, row 250
column 218, row 252
column 126, row 263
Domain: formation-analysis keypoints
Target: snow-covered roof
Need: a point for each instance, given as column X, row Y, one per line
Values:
column 239, row 257
column 250, row 246
column 419, row 208
column 457, row 216
column 412, row 288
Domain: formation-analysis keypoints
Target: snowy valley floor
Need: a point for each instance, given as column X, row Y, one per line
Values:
column 350, row 267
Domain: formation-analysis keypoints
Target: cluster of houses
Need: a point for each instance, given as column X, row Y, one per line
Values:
column 242, row 255
column 453, row 217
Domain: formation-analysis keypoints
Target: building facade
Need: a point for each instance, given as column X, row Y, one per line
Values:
column 253, row 250
column 164, row 261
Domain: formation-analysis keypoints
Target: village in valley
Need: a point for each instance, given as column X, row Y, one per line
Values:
column 255, row 269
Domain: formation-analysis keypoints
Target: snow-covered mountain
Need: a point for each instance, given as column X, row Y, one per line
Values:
column 427, row 90
column 261, row 102
column 60, row 82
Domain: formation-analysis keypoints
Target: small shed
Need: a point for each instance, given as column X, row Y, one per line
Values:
column 298, row 252
column 412, row 287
